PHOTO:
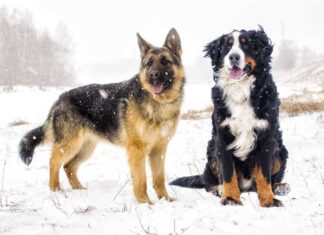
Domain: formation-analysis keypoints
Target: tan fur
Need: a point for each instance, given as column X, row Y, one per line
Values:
column 276, row 166
column 71, row 167
column 231, row 189
column 71, row 152
column 264, row 190
column 215, row 167
column 243, row 40
column 250, row 61
column 144, row 137
column 157, row 158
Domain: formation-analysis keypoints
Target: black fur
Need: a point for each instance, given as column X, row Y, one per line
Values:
column 191, row 182
column 28, row 144
column 100, row 106
column 265, row 103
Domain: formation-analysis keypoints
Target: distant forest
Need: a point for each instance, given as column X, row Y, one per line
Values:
column 33, row 57
column 30, row 57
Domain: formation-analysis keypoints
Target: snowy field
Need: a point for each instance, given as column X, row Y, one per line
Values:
column 109, row 207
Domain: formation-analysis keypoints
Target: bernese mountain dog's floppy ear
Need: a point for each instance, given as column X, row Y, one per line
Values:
column 214, row 51
column 265, row 43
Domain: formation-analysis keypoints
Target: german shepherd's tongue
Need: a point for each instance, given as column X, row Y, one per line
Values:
column 236, row 73
column 157, row 88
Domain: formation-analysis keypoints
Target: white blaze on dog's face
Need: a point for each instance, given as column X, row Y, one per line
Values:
column 238, row 55
column 234, row 61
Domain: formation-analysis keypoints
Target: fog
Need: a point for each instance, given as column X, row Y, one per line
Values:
column 104, row 32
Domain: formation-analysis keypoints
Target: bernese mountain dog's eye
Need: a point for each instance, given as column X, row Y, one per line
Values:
column 244, row 42
column 230, row 41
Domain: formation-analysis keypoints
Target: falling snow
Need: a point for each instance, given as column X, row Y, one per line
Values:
column 103, row 93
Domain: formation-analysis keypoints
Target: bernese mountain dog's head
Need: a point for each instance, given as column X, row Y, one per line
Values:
column 240, row 54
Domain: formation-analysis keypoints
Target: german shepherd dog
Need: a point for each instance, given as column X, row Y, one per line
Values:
column 246, row 151
column 140, row 114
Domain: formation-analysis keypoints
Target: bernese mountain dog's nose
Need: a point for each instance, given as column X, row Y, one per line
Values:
column 234, row 59
column 154, row 74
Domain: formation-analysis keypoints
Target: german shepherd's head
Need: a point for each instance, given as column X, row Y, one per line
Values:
column 162, row 73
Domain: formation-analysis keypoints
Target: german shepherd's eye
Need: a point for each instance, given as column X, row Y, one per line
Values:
column 149, row 63
column 165, row 61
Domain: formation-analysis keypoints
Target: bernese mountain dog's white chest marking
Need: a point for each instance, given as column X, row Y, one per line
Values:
column 242, row 120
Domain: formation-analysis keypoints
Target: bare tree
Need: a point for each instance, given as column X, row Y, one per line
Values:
column 287, row 56
column 28, row 57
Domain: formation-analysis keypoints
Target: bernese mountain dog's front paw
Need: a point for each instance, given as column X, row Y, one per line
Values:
column 271, row 203
column 230, row 201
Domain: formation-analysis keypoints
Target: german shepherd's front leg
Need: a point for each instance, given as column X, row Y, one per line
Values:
column 157, row 159
column 136, row 158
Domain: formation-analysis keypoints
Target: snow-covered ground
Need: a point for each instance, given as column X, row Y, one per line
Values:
column 109, row 207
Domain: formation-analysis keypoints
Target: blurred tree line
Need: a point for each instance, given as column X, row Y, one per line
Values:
column 29, row 57
column 289, row 56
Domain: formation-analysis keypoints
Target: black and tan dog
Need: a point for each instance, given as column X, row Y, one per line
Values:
column 140, row 114
column 246, row 151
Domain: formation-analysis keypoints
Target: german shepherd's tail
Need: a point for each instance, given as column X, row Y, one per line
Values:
column 189, row 182
column 29, row 142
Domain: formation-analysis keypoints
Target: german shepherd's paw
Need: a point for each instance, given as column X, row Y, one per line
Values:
column 281, row 189
column 80, row 188
column 55, row 188
column 145, row 200
column 169, row 199
column 230, row 201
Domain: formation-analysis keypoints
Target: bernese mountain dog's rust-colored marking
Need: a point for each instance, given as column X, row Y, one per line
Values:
column 245, row 152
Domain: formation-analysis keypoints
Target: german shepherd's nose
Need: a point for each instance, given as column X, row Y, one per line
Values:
column 155, row 74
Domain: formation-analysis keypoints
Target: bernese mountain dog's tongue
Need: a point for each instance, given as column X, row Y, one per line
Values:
column 157, row 88
column 236, row 73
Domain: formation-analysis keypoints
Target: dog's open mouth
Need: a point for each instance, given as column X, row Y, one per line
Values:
column 157, row 88
column 237, row 73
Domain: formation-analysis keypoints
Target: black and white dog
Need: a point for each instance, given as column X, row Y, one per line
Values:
column 245, row 152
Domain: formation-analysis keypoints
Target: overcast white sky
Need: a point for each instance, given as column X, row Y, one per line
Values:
column 105, row 31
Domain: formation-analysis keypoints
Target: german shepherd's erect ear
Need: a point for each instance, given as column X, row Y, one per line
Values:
column 173, row 42
column 144, row 46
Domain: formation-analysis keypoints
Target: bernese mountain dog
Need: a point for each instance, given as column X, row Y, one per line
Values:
column 246, row 152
